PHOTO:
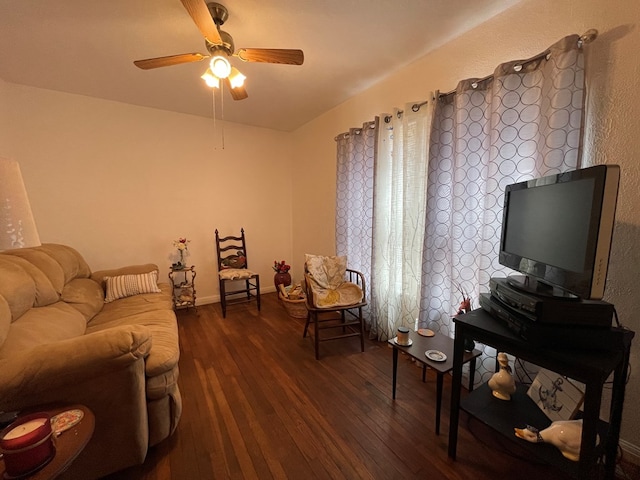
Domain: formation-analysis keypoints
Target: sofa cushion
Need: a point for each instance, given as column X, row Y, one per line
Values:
column 47, row 264
column 72, row 263
column 43, row 325
column 5, row 318
column 46, row 294
column 125, row 307
column 17, row 287
column 84, row 295
column 128, row 285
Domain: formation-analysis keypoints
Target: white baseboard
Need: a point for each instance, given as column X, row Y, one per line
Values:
column 630, row 452
column 216, row 298
column 207, row 300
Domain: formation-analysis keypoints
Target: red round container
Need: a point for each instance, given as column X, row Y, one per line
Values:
column 27, row 444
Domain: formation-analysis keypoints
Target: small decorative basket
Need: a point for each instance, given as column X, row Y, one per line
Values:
column 295, row 308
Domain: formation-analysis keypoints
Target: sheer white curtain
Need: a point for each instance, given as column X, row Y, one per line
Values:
column 523, row 122
column 399, row 219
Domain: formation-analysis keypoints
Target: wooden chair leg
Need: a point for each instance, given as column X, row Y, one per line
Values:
column 223, row 299
column 361, row 329
column 316, row 337
column 258, row 291
column 306, row 325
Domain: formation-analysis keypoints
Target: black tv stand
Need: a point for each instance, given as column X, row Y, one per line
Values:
column 537, row 287
column 589, row 367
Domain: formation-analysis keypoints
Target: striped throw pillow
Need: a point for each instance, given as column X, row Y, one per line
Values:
column 127, row 285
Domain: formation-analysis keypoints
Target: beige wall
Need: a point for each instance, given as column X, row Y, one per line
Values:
column 120, row 182
column 4, row 117
column 613, row 124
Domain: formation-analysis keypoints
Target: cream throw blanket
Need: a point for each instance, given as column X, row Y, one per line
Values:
column 326, row 277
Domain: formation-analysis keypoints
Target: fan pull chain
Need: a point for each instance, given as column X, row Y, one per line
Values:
column 222, row 110
column 213, row 108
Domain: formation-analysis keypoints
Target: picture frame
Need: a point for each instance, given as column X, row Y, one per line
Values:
column 559, row 397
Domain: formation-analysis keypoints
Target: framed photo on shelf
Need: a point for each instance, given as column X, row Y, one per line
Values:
column 557, row 396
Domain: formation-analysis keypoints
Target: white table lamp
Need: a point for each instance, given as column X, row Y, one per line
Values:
column 17, row 227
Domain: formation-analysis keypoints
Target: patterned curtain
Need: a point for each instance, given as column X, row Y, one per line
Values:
column 523, row 122
column 356, row 152
column 399, row 205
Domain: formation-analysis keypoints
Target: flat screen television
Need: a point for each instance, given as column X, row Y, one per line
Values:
column 557, row 231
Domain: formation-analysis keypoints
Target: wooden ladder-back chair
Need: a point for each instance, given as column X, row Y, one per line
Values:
column 232, row 267
column 335, row 296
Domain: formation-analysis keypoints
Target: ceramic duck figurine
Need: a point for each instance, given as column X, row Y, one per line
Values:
column 565, row 435
column 502, row 383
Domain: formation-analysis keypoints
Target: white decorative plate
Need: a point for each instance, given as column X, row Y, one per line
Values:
column 435, row 355
column 395, row 340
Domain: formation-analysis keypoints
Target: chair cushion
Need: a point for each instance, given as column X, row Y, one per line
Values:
column 326, row 276
column 235, row 274
column 122, row 286
column 326, row 271
column 346, row 294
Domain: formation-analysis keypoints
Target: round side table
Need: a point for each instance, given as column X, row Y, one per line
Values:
column 68, row 444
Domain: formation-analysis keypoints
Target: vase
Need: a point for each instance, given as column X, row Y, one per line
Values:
column 502, row 382
column 283, row 279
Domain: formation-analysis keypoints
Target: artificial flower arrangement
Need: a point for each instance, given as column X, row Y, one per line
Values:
column 281, row 267
column 181, row 245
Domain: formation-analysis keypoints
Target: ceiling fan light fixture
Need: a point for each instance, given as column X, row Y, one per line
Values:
column 236, row 79
column 209, row 17
column 210, row 79
column 220, row 66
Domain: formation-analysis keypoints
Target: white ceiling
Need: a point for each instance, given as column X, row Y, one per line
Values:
column 87, row 47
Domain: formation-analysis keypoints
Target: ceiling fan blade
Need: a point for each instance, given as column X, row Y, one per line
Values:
column 271, row 55
column 202, row 18
column 157, row 62
column 238, row 93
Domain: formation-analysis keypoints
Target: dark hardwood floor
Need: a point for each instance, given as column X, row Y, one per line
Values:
column 257, row 405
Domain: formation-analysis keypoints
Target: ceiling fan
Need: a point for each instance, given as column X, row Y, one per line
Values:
column 209, row 17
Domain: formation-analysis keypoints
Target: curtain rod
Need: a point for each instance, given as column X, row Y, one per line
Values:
column 587, row 37
column 415, row 108
column 356, row 131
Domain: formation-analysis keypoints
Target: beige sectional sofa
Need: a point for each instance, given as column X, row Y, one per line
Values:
column 61, row 343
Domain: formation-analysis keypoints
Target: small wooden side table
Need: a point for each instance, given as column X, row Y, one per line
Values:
column 68, row 445
column 417, row 350
column 183, row 282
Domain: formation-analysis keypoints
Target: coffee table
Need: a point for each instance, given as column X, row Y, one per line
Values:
column 420, row 344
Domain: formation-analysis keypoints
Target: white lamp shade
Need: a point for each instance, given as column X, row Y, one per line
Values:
column 210, row 79
column 17, row 227
column 236, row 79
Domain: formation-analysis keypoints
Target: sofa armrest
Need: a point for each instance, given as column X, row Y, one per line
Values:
column 28, row 377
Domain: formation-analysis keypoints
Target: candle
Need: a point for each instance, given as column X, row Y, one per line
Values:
column 23, row 429
column 26, row 444
column 403, row 336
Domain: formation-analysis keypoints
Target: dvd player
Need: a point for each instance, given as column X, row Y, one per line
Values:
column 550, row 335
column 549, row 310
